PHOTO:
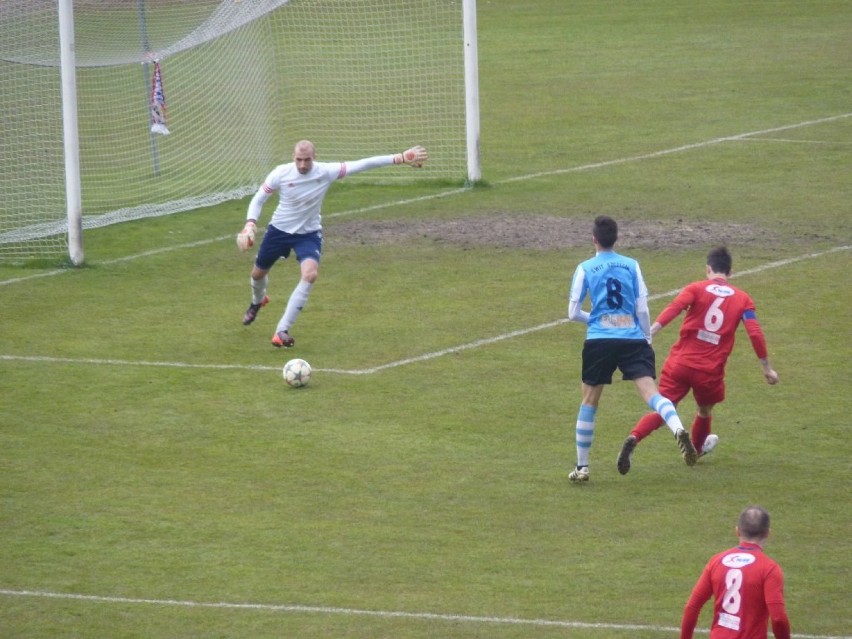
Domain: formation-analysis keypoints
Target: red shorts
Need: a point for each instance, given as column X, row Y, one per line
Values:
column 677, row 380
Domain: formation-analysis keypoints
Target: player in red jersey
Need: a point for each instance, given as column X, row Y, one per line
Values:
column 747, row 587
column 714, row 310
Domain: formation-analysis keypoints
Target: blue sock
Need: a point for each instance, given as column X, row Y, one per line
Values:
column 667, row 411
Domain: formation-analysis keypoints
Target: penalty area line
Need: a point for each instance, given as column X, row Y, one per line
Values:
column 124, row 362
column 533, row 329
column 382, row 614
column 409, row 360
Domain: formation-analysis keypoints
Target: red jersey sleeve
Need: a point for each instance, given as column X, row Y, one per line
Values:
column 780, row 622
column 702, row 591
column 773, row 593
column 755, row 332
column 680, row 303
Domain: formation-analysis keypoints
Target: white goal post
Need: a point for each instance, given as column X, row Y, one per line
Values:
column 117, row 110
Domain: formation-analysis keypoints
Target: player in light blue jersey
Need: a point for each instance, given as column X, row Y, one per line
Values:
column 296, row 224
column 618, row 336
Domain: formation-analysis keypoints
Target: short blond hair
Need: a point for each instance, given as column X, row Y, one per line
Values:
column 305, row 146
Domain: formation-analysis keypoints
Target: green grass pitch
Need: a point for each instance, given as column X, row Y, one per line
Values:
column 159, row 479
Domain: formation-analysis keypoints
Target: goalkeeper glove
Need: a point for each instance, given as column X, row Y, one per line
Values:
column 245, row 238
column 415, row 156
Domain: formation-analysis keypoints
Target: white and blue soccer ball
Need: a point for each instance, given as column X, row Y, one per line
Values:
column 297, row 373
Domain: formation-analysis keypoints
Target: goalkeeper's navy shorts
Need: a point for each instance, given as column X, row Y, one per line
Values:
column 277, row 245
column 633, row 357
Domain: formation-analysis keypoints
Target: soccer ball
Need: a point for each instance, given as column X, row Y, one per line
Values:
column 297, row 372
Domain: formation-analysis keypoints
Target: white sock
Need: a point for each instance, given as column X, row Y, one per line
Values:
column 667, row 411
column 297, row 301
column 258, row 289
column 585, row 433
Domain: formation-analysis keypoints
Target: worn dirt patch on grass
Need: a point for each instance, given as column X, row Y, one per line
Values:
column 541, row 232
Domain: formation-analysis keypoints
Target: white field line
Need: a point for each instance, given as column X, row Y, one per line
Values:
column 402, row 362
column 678, row 149
column 533, row 329
column 790, row 141
column 118, row 260
column 126, row 362
column 385, row 614
column 458, row 191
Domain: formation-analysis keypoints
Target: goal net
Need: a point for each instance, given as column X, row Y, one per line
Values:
column 187, row 103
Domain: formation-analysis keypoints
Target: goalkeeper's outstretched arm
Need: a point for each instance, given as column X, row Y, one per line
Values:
column 416, row 156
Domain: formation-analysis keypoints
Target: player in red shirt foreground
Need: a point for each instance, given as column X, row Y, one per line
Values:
column 714, row 310
column 747, row 586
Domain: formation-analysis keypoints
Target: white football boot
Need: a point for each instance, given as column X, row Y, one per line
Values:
column 709, row 444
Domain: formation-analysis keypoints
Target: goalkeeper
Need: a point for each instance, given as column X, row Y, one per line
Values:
column 296, row 224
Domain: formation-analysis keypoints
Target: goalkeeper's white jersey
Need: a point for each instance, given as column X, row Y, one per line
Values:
column 300, row 196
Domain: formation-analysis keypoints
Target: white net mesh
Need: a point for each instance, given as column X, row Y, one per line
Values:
column 242, row 81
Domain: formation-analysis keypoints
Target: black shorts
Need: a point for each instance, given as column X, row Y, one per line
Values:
column 634, row 357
